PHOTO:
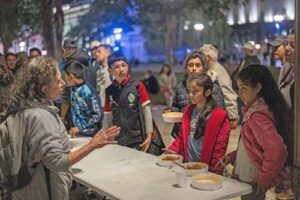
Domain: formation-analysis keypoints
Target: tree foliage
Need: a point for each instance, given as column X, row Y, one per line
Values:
column 24, row 18
column 15, row 17
column 103, row 16
column 162, row 21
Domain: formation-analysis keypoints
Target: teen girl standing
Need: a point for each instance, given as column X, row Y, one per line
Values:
column 265, row 133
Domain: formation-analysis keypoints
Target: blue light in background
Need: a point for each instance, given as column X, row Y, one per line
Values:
column 118, row 36
column 277, row 25
column 116, row 48
column 118, row 30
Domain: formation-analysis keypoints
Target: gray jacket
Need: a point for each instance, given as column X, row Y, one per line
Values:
column 230, row 97
column 47, row 144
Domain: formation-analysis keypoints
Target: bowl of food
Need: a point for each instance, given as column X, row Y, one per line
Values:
column 193, row 168
column 167, row 160
column 207, row 181
column 172, row 117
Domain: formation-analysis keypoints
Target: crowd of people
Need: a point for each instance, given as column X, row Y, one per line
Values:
column 98, row 97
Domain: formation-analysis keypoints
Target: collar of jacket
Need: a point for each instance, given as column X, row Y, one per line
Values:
column 79, row 84
column 124, row 82
column 259, row 105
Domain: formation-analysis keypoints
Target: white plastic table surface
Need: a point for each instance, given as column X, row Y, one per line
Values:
column 123, row 173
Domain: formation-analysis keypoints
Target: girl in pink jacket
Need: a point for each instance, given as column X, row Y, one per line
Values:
column 265, row 134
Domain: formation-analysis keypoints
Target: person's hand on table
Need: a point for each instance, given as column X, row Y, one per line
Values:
column 166, row 150
column 146, row 144
column 225, row 160
column 73, row 131
column 104, row 137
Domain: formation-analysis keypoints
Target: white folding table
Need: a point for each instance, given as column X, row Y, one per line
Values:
column 122, row 173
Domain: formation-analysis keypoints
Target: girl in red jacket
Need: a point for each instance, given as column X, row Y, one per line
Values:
column 265, row 133
column 205, row 128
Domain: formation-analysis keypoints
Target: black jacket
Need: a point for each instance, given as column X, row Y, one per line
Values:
column 124, row 104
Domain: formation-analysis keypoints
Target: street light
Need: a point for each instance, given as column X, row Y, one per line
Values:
column 199, row 27
column 278, row 18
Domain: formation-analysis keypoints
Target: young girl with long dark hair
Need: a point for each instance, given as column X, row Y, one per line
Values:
column 205, row 127
column 265, row 134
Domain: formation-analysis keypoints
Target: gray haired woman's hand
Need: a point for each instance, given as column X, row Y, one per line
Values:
column 104, row 137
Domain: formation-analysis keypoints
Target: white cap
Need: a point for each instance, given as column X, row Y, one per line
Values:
column 95, row 44
column 249, row 46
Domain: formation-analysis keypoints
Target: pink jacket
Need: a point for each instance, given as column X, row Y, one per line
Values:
column 215, row 138
column 263, row 143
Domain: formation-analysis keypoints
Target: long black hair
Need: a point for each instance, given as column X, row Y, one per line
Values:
column 203, row 80
column 254, row 74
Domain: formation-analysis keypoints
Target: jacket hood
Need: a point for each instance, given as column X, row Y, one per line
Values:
column 80, row 56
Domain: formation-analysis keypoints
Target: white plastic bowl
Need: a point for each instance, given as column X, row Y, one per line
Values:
column 167, row 163
column 192, row 172
column 207, row 181
column 172, row 117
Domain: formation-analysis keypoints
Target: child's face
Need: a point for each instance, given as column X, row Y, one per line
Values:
column 247, row 93
column 194, row 66
column 197, row 94
column 70, row 79
column 119, row 70
column 279, row 52
column 102, row 54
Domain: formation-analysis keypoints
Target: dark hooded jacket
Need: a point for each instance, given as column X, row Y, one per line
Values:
column 89, row 71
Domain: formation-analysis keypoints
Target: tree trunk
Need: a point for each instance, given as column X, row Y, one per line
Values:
column 6, row 44
column 47, row 27
column 59, row 24
column 169, row 34
column 4, row 33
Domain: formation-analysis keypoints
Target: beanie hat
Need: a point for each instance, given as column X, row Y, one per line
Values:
column 114, row 58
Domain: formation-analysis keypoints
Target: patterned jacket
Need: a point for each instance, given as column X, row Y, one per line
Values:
column 86, row 109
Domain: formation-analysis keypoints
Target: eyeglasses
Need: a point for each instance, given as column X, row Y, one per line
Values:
column 119, row 66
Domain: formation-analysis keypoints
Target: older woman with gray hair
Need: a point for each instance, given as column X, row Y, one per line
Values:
column 28, row 103
column 195, row 63
column 230, row 97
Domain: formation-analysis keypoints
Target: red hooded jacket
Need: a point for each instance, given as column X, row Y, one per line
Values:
column 215, row 138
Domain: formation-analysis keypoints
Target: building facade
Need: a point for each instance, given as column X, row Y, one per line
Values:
column 259, row 21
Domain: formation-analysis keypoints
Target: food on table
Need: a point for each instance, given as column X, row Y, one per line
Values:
column 170, row 158
column 195, row 166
